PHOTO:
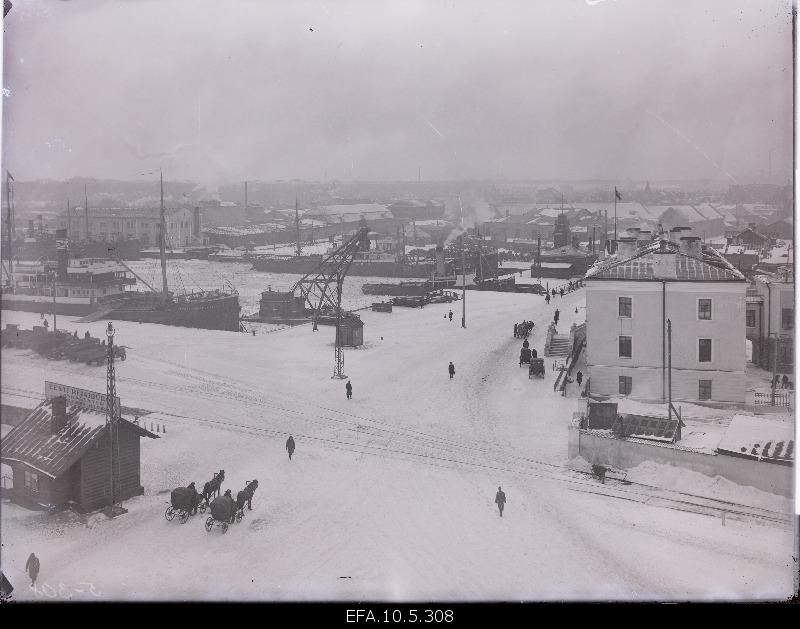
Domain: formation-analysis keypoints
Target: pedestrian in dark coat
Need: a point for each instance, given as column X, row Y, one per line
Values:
column 556, row 316
column 451, row 370
column 554, row 292
column 579, row 378
column 500, row 500
column 533, row 354
column 785, row 381
column 349, row 388
column 451, row 316
column 516, row 327
column 562, row 292
column 231, row 505
column 194, row 500
column 547, row 299
column 290, row 446
column 32, row 568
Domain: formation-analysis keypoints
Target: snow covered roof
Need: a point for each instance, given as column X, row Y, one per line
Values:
column 650, row 263
column 33, row 442
column 759, row 438
column 556, row 265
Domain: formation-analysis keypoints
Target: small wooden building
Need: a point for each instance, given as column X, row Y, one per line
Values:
column 60, row 454
column 352, row 330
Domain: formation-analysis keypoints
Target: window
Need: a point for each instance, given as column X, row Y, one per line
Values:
column 625, row 347
column 704, row 309
column 787, row 318
column 704, row 350
column 750, row 319
column 32, row 481
column 705, row 390
column 625, row 385
column 625, row 307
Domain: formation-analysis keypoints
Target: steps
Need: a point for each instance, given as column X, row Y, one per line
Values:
column 559, row 346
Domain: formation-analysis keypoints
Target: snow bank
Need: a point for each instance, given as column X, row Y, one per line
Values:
column 719, row 488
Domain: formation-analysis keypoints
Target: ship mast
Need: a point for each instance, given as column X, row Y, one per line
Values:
column 297, row 224
column 10, row 223
column 86, row 210
column 164, row 292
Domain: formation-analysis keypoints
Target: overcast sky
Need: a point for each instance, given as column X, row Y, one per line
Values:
column 221, row 91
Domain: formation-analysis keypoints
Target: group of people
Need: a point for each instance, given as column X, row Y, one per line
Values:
column 522, row 330
column 782, row 382
column 571, row 286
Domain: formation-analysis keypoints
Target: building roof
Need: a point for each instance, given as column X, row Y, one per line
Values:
column 558, row 252
column 33, row 443
column 662, row 259
column 759, row 438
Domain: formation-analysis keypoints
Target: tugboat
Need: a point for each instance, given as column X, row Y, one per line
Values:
column 212, row 310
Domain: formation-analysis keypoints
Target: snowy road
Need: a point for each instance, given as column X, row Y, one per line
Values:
column 389, row 495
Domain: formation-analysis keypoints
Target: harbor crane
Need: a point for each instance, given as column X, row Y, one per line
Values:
column 322, row 288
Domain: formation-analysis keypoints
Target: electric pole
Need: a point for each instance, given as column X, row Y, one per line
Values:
column 111, row 411
column 463, row 270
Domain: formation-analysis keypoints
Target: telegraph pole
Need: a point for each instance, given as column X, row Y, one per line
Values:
column 55, row 321
column 669, row 367
column 111, row 411
column 774, row 344
column 86, row 210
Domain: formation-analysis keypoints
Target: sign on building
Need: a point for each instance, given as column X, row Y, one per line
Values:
column 90, row 400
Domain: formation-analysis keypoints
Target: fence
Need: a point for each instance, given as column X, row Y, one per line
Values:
column 782, row 398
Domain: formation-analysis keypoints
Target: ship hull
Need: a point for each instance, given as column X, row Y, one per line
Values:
column 218, row 313
column 357, row 268
column 28, row 303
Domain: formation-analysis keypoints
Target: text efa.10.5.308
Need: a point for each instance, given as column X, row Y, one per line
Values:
column 400, row 616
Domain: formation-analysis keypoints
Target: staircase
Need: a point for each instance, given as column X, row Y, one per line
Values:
column 558, row 346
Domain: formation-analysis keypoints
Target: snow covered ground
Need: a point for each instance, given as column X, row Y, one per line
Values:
column 389, row 495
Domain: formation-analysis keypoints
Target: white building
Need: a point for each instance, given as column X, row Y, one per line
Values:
column 631, row 295
column 111, row 224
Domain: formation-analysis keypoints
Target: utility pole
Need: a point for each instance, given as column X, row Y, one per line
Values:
column 669, row 367
column 774, row 344
column 111, row 411
column 69, row 220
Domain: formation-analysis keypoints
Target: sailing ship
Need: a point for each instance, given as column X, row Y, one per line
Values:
column 216, row 309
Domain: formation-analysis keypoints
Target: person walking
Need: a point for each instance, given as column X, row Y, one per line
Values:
column 451, row 369
column 579, row 378
column 562, row 292
column 547, row 299
column 500, row 500
column 451, row 316
column 516, row 327
column 349, row 388
column 290, row 446
column 556, row 315
column 785, row 382
column 32, row 568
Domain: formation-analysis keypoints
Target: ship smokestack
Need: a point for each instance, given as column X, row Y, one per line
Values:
column 62, row 253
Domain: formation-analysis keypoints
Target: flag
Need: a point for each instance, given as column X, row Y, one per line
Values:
column 618, row 195
column 10, row 176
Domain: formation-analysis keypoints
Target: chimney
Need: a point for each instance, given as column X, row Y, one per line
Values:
column 31, row 229
column 626, row 247
column 62, row 253
column 59, row 416
column 643, row 238
column 690, row 245
column 440, row 268
column 196, row 222
column 752, row 226
column 675, row 232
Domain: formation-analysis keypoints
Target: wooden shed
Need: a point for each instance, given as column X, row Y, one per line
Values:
column 352, row 330
column 60, row 454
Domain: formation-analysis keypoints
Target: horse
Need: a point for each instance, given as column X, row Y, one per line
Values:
column 246, row 496
column 214, row 486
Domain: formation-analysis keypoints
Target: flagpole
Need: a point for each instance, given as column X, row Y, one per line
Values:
column 615, row 216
